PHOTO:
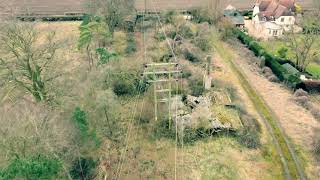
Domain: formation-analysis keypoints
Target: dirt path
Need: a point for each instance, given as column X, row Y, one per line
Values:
column 297, row 123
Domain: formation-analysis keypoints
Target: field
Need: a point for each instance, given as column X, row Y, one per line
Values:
column 60, row 7
column 77, row 101
column 221, row 157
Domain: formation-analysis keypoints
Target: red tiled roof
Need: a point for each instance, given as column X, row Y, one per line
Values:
column 272, row 6
column 287, row 3
column 275, row 8
column 264, row 5
column 280, row 11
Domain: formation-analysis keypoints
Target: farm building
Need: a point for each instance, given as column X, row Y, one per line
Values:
column 74, row 7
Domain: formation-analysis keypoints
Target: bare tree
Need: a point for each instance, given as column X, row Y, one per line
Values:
column 303, row 44
column 114, row 11
column 214, row 10
column 317, row 6
column 26, row 58
column 29, row 129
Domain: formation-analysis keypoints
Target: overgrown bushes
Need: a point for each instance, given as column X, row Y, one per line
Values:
column 202, row 42
column 125, row 87
column 52, row 18
column 317, row 144
column 131, row 44
column 34, row 167
column 249, row 138
column 190, row 135
column 190, row 56
column 83, row 168
column 196, row 86
column 87, row 136
column 129, row 85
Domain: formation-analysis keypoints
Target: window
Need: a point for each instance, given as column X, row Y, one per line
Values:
column 275, row 32
column 282, row 19
column 270, row 31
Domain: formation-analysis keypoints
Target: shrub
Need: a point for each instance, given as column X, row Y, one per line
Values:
column 190, row 56
column 315, row 112
column 267, row 71
column 202, row 42
column 283, row 52
column 171, row 33
column 200, row 16
column 83, row 169
column 32, row 167
column 249, row 138
column 256, row 48
column 196, row 86
column 186, row 74
column 129, row 85
column 226, row 29
column 160, row 36
column 186, row 32
column 162, row 130
column 317, row 145
column 302, row 100
column 300, row 92
column 119, row 42
column 105, row 56
column 131, row 44
column 124, row 88
column 80, row 118
column 273, row 78
column 190, row 135
column 169, row 17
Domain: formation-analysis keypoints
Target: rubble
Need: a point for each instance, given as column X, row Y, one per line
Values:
column 196, row 112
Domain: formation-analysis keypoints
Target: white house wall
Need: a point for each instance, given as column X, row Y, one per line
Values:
column 287, row 20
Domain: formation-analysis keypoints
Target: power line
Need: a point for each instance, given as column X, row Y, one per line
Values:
column 176, row 113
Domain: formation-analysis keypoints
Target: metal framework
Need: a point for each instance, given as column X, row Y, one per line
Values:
column 163, row 75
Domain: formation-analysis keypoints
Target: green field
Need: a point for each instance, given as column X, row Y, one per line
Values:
column 273, row 46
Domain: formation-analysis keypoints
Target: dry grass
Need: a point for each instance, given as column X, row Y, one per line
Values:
column 297, row 122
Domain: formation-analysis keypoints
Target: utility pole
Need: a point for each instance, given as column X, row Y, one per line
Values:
column 145, row 6
column 163, row 75
column 207, row 79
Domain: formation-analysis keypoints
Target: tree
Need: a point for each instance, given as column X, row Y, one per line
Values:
column 93, row 35
column 303, row 44
column 283, row 52
column 317, row 6
column 113, row 11
column 26, row 60
column 35, row 143
column 226, row 28
column 214, row 10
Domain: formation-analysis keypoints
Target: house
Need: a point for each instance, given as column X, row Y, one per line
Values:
column 273, row 17
column 234, row 16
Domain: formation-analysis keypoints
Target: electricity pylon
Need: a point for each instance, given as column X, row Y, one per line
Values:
column 163, row 77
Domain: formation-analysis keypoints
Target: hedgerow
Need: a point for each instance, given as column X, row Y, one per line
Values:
column 270, row 61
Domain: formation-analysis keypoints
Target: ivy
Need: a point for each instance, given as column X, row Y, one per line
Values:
column 34, row 167
column 105, row 56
